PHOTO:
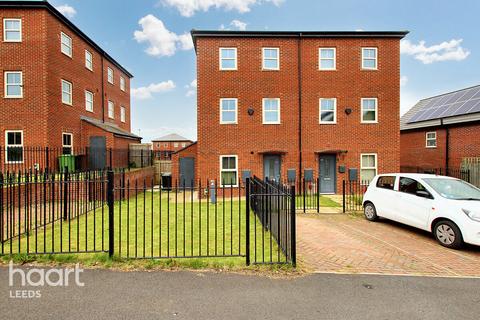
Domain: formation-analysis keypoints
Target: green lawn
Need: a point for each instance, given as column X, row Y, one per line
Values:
column 311, row 201
column 149, row 226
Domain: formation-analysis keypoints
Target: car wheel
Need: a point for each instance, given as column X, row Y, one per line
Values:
column 448, row 234
column 370, row 212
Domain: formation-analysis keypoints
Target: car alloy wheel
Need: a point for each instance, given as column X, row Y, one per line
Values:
column 369, row 211
column 445, row 234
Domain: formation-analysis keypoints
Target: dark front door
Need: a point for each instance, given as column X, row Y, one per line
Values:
column 328, row 178
column 271, row 167
column 187, row 168
column 98, row 153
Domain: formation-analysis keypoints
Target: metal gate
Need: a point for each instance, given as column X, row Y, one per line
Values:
column 98, row 153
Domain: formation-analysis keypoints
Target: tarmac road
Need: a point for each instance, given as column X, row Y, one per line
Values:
column 207, row 295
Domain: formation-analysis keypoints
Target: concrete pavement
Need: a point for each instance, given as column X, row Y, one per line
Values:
column 195, row 295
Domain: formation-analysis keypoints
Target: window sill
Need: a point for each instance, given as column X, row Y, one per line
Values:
column 67, row 104
column 13, row 97
column 71, row 57
column 369, row 122
column 327, row 69
column 271, row 123
column 327, row 123
column 12, row 41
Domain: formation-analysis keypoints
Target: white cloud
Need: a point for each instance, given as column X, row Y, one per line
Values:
column 240, row 25
column 144, row 93
column 403, row 81
column 445, row 51
column 188, row 8
column 192, row 88
column 67, row 10
column 162, row 41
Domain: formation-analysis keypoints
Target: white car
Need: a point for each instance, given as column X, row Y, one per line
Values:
column 445, row 206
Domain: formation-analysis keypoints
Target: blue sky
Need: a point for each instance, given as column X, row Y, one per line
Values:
column 148, row 37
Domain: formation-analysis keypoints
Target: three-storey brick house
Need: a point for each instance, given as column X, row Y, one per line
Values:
column 287, row 105
column 59, row 88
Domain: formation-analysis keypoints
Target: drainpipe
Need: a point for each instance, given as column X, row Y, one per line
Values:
column 103, row 92
column 299, row 63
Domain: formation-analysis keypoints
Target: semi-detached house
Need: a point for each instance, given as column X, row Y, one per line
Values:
column 59, row 89
column 294, row 105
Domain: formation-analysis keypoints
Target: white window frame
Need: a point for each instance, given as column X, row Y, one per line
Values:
column 122, row 83
column 111, row 112
column 87, row 93
column 274, row 59
column 184, row 144
column 5, row 29
column 88, row 62
column 16, row 145
column 229, row 170
column 220, row 59
column 365, row 58
column 320, row 121
column 427, row 139
column 66, row 145
column 320, row 59
column 175, row 144
column 123, row 114
column 5, row 74
column 68, row 54
column 110, row 75
column 236, row 111
column 376, row 111
column 368, row 168
column 70, row 103
column 264, row 111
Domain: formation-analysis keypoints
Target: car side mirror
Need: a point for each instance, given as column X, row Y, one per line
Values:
column 423, row 194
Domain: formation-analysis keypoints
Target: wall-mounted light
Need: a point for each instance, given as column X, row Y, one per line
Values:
column 250, row 111
column 348, row 111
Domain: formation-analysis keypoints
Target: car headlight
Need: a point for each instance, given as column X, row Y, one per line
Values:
column 472, row 215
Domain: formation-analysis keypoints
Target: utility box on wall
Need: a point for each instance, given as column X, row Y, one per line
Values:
column 246, row 174
column 308, row 175
column 352, row 174
column 291, row 175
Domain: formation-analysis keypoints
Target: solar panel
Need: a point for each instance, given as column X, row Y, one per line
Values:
column 451, row 104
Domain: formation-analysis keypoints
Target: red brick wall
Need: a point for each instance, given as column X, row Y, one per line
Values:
column 249, row 138
column 41, row 113
column 464, row 142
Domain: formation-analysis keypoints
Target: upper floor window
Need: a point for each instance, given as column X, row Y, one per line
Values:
column 271, row 111
column 228, row 58
column 67, row 143
column 13, row 84
column 184, row 144
column 328, row 111
column 368, row 167
column 14, row 145
column 369, row 58
column 12, row 30
column 66, row 44
column 110, row 75
column 111, row 110
column 122, row 114
column 88, row 60
column 327, row 59
column 175, row 145
column 122, row 83
column 369, row 110
column 431, row 139
column 228, row 111
column 229, row 170
column 271, row 59
column 88, row 101
column 67, row 92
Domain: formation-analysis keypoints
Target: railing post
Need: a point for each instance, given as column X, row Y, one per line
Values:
column 304, row 195
column 47, row 157
column 110, row 200
column 247, row 222
column 65, row 194
column 318, row 195
column 111, row 163
column 293, row 235
column 344, row 195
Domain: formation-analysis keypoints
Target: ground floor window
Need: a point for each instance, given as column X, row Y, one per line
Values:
column 67, row 144
column 14, row 144
column 228, row 170
column 431, row 138
column 368, row 167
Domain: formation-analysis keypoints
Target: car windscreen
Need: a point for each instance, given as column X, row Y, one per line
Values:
column 454, row 189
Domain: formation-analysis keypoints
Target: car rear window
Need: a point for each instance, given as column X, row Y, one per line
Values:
column 386, row 182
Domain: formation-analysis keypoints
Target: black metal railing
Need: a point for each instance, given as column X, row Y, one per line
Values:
column 352, row 195
column 45, row 213
column 463, row 174
column 274, row 208
column 55, row 159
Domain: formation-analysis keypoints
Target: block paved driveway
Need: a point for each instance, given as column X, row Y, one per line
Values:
column 349, row 244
